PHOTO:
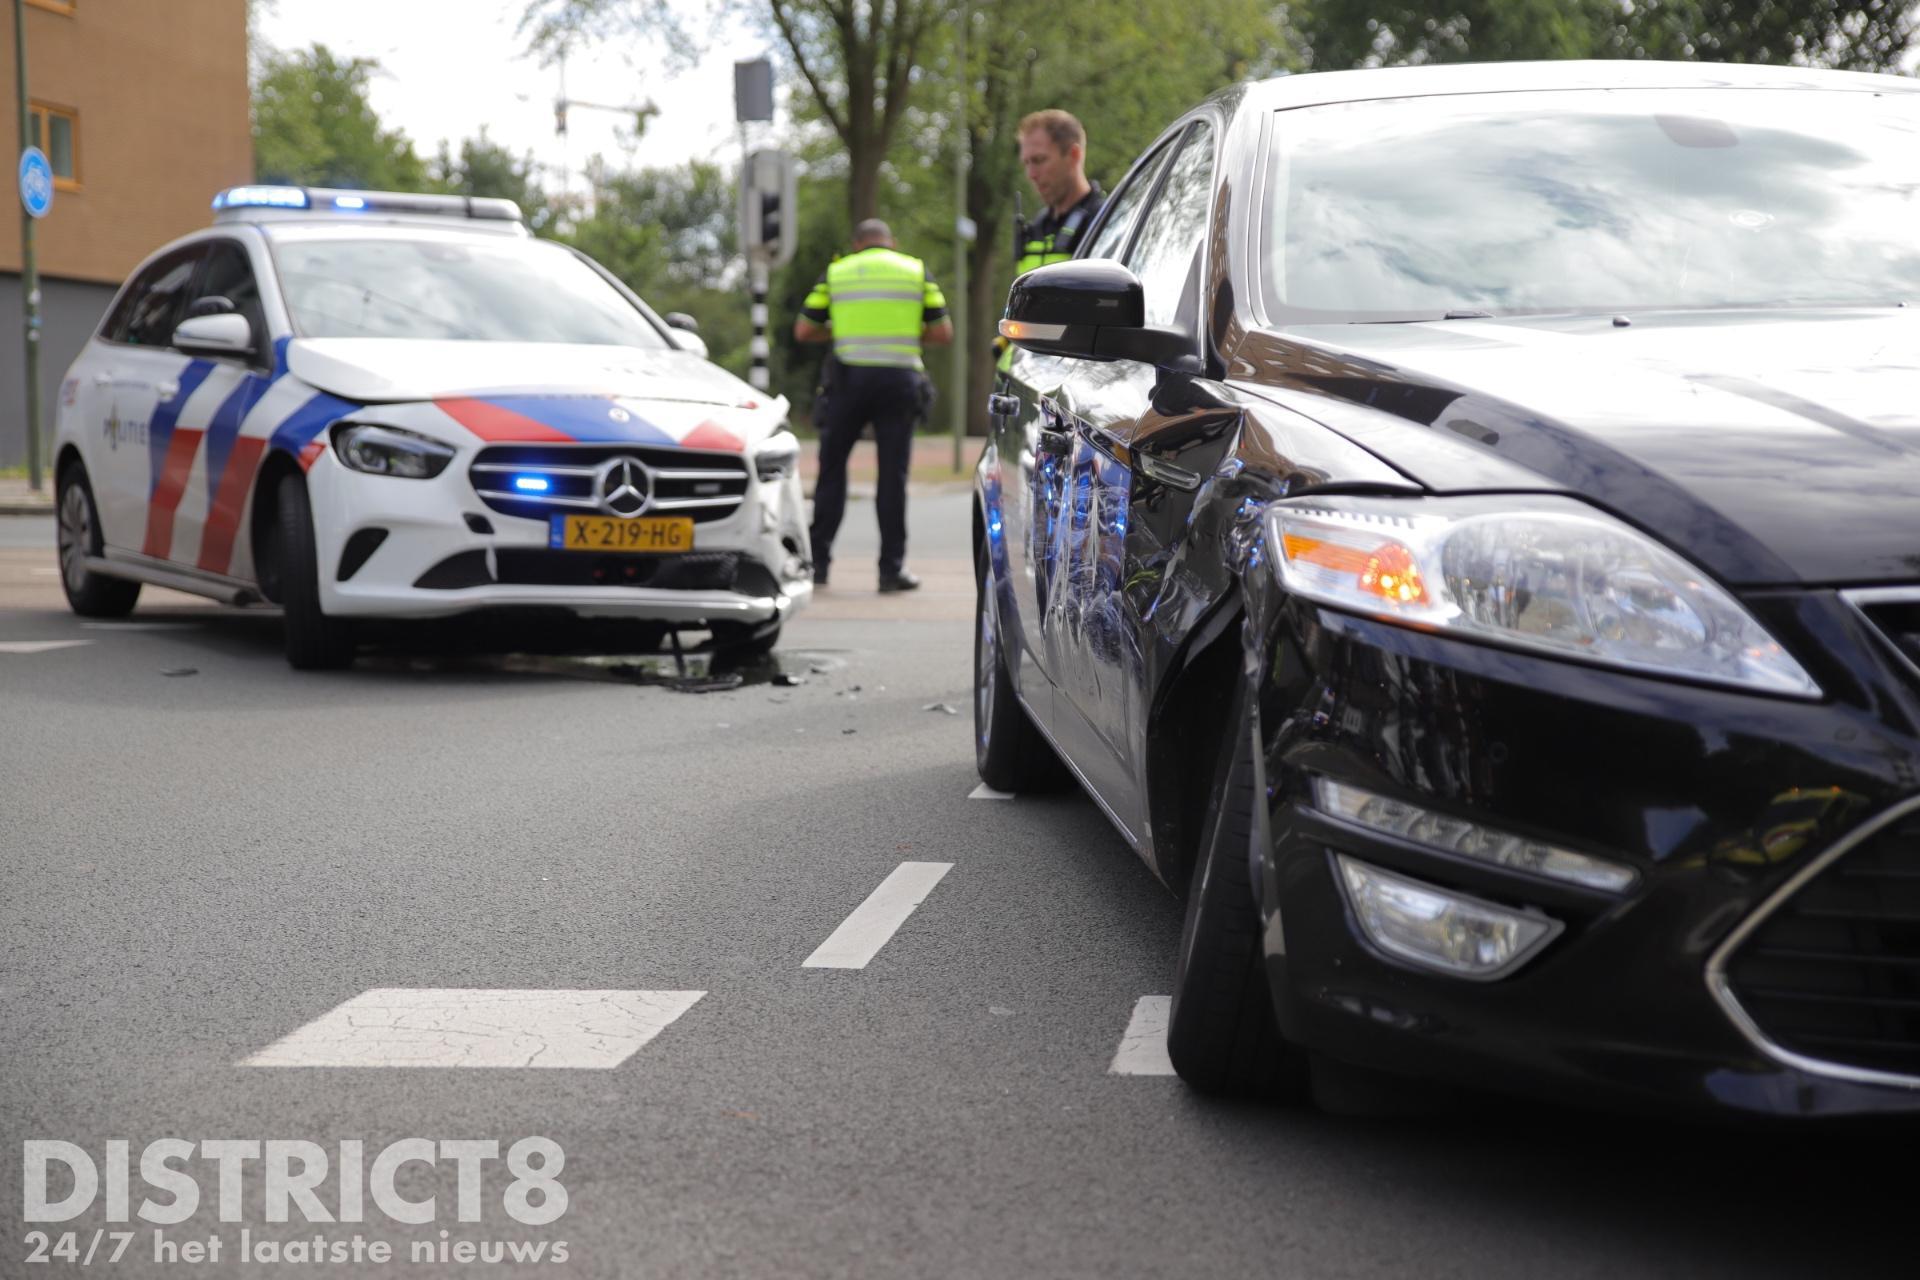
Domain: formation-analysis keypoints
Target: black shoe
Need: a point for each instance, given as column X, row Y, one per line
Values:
column 904, row 580
column 819, row 575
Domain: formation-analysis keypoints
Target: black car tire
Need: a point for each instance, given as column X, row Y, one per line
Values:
column 315, row 642
column 1221, row 1033
column 1008, row 750
column 89, row 594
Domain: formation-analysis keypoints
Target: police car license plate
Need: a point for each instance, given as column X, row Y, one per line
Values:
column 615, row 533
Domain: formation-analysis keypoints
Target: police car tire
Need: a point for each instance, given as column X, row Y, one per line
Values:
column 1008, row 750
column 1221, row 1034
column 315, row 642
column 89, row 594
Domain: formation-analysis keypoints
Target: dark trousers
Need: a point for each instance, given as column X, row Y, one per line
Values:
column 889, row 399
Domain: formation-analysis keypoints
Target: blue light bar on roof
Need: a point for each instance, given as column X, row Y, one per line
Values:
column 261, row 197
column 349, row 202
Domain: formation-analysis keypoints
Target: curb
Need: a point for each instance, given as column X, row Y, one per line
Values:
column 26, row 508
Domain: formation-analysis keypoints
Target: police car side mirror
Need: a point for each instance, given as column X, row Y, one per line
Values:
column 227, row 334
column 1092, row 309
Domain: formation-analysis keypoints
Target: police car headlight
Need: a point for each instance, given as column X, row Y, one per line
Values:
column 777, row 458
column 389, row 451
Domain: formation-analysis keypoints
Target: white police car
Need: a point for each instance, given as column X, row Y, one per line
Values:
column 368, row 404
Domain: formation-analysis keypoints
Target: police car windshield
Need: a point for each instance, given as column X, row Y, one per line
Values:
column 443, row 287
column 1587, row 201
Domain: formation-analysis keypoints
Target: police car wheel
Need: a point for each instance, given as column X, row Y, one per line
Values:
column 315, row 642
column 90, row 594
column 1222, row 1035
column 1008, row 750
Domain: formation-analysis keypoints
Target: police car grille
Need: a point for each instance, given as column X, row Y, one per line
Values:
column 1834, row 973
column 1899, row 622
column 682, row 482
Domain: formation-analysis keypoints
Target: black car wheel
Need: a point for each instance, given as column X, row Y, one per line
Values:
column 90, row 594
column 315, row 642
column 1008, row 751
column 1221, row 1034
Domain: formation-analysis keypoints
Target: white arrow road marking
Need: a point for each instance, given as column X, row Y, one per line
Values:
column 862, row 934
column 39, row 646
column 985, row 792
column 453, row 1027
column 1143, row 1046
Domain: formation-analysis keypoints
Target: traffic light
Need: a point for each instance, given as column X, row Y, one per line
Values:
column 560, row 117
column 769, row 214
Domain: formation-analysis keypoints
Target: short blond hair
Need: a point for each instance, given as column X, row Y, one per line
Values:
column 1061, row 126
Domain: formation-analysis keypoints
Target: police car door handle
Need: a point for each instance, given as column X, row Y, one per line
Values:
column 1001, row 405
column 167, row 390
column 102, row 379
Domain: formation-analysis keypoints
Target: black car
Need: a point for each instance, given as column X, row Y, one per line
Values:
column 1462, row 525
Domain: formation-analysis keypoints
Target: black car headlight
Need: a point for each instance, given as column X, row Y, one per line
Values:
column 389, row 451
column 1547, row 575
column 777, row 457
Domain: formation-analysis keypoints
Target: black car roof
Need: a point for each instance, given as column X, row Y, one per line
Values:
column 1324, row 87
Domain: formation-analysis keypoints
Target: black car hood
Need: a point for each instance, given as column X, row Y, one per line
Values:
column 1773, row 447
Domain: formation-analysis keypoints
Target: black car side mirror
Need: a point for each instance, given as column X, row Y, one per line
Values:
column 1093, row 309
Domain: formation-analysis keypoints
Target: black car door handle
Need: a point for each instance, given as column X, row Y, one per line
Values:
column 1001, row 405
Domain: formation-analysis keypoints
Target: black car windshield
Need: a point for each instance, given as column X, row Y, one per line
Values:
column 427, row 286
column 1594, row 200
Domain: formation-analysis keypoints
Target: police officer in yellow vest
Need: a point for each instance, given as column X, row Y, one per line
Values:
column 878, row 308
column 1053, row 151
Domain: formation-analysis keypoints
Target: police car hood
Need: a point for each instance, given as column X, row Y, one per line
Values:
column 375, row 370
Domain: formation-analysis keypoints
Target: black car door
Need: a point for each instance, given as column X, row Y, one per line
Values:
column 1032, row 422
column 1103, row 557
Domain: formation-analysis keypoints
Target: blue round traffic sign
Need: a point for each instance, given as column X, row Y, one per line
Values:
column 36, row 182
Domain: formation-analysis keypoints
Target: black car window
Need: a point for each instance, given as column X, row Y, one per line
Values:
column 229, row 274
column 1109, row 239
column 1172, row 227
column 1633, row 199
column 150, row 307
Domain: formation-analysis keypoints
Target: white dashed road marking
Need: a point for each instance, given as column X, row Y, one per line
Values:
column 1143, row 1047
column 862, row 934
column 38, row 646
column 453, row 1027
column 141, row 626
column 44, row 573
column 985, row 792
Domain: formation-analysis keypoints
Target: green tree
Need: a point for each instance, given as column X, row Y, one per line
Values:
column 485, row 168
column 670, row 235
column 1351, row 33
column 313, row 125
column 856, row 60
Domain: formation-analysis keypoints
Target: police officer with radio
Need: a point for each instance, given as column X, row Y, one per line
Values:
column 1053, row 151
column 878, row 308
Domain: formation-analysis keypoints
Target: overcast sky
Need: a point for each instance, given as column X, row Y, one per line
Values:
column 450, row 66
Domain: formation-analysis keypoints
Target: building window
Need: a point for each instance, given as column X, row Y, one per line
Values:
column 55, row 6
column 56, row 131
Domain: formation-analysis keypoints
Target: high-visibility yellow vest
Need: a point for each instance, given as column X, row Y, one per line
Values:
column 877, row 301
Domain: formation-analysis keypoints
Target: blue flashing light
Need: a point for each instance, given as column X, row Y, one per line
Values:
column 349, row 202
column 532, row 484
column 261, row 198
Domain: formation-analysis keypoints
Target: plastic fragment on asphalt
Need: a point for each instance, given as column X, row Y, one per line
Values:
column 985, row 792
column 941, row 706
column 179, row 671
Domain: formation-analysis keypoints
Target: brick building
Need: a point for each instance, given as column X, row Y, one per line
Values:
column 143, row 109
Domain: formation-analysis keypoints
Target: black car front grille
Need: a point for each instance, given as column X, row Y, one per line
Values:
column 1896, row 619
column 684, row 482
column 1834, row 973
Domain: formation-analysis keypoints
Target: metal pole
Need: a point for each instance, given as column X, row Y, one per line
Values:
column 958, row 391
column 29, row 268
column 757, row 373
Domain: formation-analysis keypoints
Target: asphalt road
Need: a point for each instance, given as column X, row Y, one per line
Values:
column 198, row 866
